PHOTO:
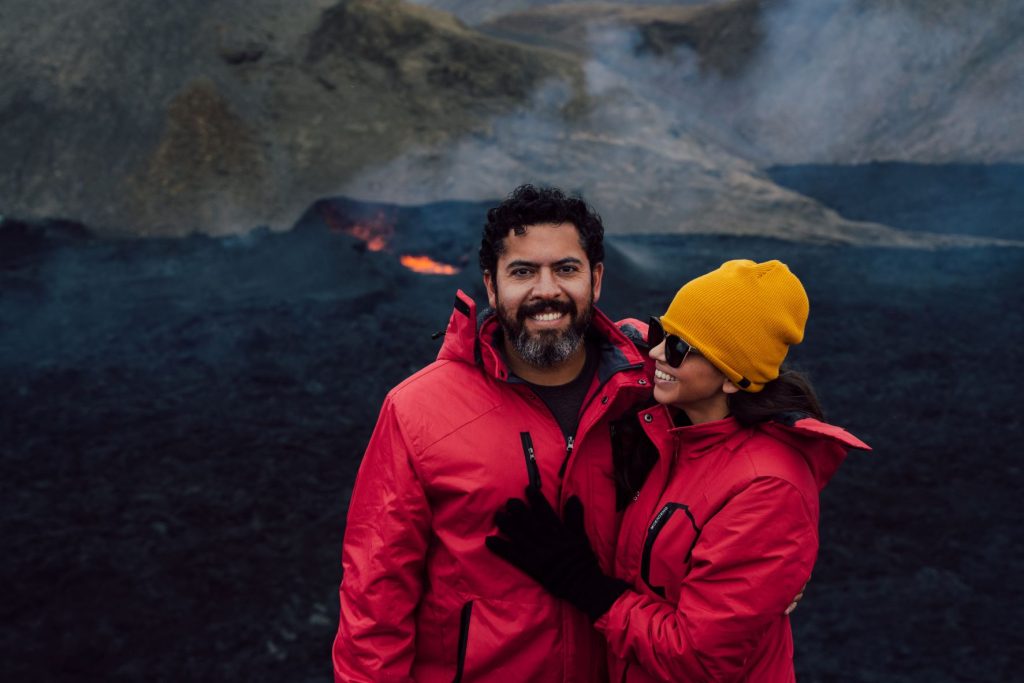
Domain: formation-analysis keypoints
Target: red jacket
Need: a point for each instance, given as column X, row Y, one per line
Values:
column 422, row 598
column 722, row 535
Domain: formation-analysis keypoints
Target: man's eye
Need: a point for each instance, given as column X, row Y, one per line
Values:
column 520, row 272
column 568, row 269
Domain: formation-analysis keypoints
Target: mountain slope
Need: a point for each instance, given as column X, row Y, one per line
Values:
column 216, row 117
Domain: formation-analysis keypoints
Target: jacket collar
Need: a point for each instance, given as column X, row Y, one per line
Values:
column 823, row 446
column 696, row 440
column 469, row 340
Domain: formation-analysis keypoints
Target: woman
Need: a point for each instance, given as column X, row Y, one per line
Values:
column 723, row 530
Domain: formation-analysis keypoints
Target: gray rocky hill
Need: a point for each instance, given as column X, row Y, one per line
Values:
column 220, row 116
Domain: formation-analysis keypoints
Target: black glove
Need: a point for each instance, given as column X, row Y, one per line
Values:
column 558, row 556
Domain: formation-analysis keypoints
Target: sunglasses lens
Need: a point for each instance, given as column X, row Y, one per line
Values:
column 675, row 348
column 675, row 351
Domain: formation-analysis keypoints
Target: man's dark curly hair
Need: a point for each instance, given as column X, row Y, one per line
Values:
column 529, row 205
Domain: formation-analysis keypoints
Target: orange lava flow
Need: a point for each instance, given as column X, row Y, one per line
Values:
column 376, row 232
column 371, row 234
column 425, row 264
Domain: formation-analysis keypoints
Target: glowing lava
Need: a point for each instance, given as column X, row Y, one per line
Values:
column 425, row 264
column 376, row 232
column 370, row 234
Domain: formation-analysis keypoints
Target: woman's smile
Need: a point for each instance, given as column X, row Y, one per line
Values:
column 662, row 376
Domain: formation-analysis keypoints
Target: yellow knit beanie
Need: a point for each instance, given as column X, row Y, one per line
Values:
column 742, row 317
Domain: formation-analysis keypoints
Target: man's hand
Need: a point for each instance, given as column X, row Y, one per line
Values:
column 555, row 554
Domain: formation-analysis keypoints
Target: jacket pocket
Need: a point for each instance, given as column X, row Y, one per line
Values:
column 653, row 529
column 464, row 619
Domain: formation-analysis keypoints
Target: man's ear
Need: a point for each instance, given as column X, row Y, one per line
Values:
column 596, row 273
column 729, row 388
column 492, row 292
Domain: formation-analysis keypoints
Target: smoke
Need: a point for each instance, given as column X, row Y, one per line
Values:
column 846, row 81
column 821, row 81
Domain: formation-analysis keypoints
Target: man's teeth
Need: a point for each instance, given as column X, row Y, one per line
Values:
column 547, row 317
column 663, row 376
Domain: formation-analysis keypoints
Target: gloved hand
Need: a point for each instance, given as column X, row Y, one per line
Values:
column 556, row 554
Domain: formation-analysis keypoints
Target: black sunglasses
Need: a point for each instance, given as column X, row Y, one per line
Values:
column 676, row 350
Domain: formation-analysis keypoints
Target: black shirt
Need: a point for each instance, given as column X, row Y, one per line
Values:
column 566, row 400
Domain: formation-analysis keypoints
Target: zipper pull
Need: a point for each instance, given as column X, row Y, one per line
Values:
column 568, row 452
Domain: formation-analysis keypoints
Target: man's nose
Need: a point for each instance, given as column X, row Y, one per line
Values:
column 546, row 287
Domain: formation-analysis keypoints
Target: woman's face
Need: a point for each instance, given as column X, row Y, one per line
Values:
column 696, row 386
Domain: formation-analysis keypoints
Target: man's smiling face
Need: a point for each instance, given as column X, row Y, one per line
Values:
column 544, row 291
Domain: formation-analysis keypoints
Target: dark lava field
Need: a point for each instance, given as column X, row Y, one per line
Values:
column 181, row 422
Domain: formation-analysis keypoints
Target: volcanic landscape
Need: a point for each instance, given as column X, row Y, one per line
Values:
column 229, row 227
column 183, row 419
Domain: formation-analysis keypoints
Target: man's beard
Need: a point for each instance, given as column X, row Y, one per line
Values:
column 546, row 348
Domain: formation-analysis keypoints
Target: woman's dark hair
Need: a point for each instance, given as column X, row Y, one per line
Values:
column 790, row 392
column 529, row 205
column 633, row 454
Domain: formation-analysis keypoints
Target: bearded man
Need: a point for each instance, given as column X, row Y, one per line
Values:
column 520, row 396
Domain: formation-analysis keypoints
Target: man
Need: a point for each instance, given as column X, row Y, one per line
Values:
column 522, row 397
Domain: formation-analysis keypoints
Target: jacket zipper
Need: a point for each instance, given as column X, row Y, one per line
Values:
column 583, row 409
column 467, row 611
column 532, row 471
column 568, row 452
column 572, row 438
column 653, row 529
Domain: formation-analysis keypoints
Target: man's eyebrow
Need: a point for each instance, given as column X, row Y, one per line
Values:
column 520, row 263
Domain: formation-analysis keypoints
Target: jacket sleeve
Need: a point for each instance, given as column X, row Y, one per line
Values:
column 386, row 539
column 751, row 558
